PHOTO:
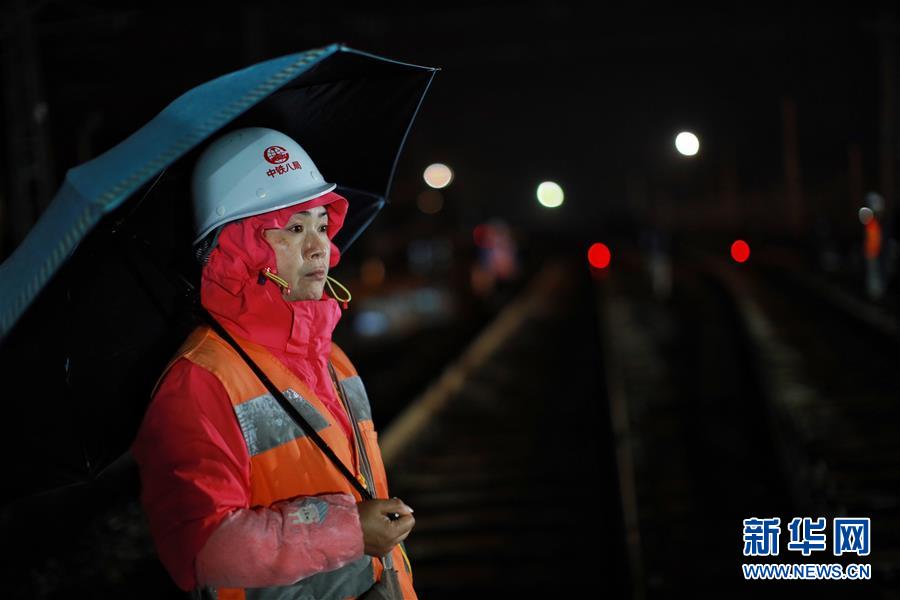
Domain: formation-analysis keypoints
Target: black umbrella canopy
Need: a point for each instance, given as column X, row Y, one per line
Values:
column 81, row 362
column 348, row 146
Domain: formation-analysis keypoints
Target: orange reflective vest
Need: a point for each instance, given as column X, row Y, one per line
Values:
column 285, row 463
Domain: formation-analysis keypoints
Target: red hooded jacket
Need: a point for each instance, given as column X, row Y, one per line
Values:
column 194, row 462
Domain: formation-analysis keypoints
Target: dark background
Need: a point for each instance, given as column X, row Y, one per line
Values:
column 795, row 107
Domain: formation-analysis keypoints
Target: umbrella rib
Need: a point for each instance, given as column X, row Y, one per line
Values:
column 406, row 134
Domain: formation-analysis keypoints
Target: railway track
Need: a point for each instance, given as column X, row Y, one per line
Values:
column 837, row 411
column 513, row 479
column 716, row 412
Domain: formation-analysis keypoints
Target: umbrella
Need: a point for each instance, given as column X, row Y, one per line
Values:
column 90, row 304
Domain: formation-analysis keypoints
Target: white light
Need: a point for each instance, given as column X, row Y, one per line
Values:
column 549, row 194
column 687, row 143
column 438, row 176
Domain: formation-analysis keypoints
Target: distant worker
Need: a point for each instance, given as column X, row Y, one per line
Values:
column 872, row 243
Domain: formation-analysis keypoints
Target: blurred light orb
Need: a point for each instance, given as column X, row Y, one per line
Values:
column 740, row 251
column 372, row 272
column 481, row 235
column 865, row 215
column 599, row 255
column 438, row 175
column 370, row 323
column 875, row 201
column 549, row 194
column 430, row 201
column 687, row 143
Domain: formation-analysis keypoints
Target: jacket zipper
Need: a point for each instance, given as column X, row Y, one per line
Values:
column 387, row 561
column 362, row 456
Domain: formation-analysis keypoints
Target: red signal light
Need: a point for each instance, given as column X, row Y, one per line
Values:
column 740, row 251
column 599, row 256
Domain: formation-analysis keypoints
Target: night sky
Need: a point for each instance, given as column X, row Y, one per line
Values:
column 590, row 97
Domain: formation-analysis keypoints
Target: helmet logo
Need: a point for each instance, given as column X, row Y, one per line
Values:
column 276, row 155
column 282, row 169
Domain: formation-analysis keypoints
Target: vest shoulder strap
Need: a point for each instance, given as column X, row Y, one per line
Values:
column 207, row 350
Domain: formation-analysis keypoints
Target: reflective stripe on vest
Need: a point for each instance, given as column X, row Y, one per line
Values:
column 349, row 581
column 285, row 463
column 265, row 425
column 356, row 396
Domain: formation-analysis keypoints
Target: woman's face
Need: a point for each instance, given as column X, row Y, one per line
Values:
column 302, row 250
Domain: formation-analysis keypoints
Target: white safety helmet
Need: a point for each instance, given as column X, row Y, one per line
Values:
column 248, row 172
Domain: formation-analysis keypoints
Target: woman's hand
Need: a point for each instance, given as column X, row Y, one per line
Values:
column 380, row 532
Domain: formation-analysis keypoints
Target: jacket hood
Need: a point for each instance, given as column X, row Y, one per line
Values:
column 231, row 290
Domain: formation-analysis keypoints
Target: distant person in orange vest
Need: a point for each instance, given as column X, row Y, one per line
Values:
column 240, row 501
column 872, row 243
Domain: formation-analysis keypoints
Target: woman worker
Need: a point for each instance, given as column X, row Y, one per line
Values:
column 240, row 501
